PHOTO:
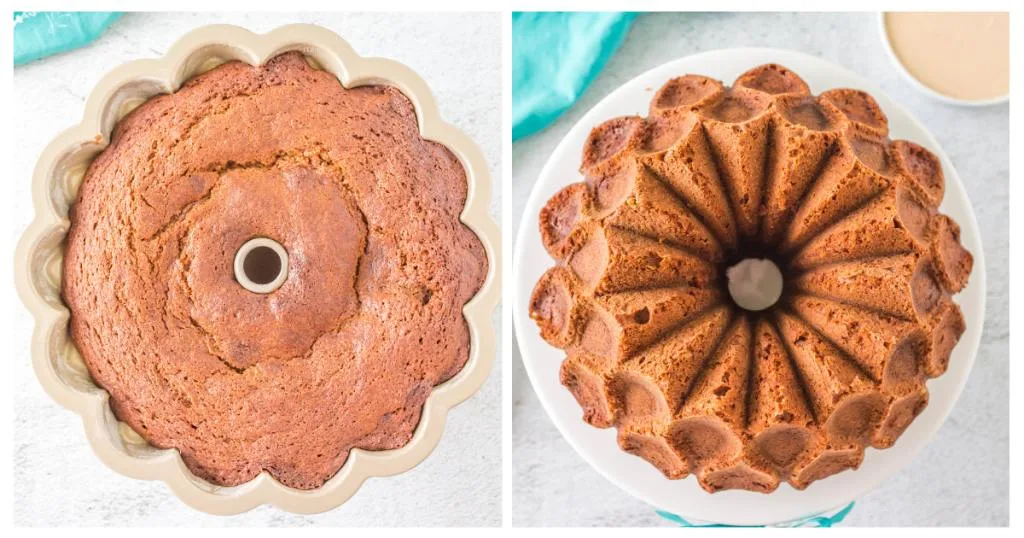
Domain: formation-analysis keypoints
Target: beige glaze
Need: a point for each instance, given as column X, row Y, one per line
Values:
column 960, row 55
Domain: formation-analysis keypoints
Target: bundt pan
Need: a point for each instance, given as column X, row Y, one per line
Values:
column 747, row 389
column 39, row 258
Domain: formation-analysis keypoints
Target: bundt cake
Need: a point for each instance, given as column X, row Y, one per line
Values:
column 367, row 319
column 676, row 204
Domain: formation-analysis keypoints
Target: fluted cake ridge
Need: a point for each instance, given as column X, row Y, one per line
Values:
column 714, row 175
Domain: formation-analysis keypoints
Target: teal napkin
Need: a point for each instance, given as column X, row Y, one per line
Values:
column 555, row 56
column 40, row 34
column 825, row 519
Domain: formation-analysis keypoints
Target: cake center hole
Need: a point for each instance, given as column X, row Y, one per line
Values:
column 261, row 265
column 755, row 284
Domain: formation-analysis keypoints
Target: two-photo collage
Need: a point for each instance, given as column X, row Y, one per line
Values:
column 510, row 269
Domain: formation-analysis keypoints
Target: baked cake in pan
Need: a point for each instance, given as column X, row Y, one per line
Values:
column 368, row 319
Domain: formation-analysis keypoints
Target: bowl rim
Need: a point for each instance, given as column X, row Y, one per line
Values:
column 921, row 86
column 46, row 234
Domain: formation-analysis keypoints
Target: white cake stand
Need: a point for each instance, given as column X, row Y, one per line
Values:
column 634, row 475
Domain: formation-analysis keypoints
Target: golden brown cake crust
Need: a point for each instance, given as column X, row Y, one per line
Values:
column 369, row 320
column 655, row 346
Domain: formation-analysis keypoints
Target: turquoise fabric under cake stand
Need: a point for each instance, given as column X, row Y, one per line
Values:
column 825, row 519
column 41, row 34
column 555, row 56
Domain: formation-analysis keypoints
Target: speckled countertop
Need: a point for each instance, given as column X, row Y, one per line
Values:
column 960, row 478
column 57, row 478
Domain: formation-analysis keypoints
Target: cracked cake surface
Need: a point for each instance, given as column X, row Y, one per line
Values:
column 654, row 344
column 369, row 319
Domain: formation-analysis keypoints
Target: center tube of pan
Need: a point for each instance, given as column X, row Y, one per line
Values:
column 261, row 265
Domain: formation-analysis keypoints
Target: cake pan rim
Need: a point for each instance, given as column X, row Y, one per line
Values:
column 42, row 243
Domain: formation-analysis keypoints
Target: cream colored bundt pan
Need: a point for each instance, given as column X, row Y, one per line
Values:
column 58, row 173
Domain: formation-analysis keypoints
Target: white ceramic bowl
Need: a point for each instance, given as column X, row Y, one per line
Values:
column 920, row 86
column 598, row 447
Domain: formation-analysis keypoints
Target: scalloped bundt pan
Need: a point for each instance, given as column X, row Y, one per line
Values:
column 656, row 347
column 60, row 169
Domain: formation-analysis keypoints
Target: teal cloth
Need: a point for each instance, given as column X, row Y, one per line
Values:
column 820, row 520
column 40, row 34
column 555, row 56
